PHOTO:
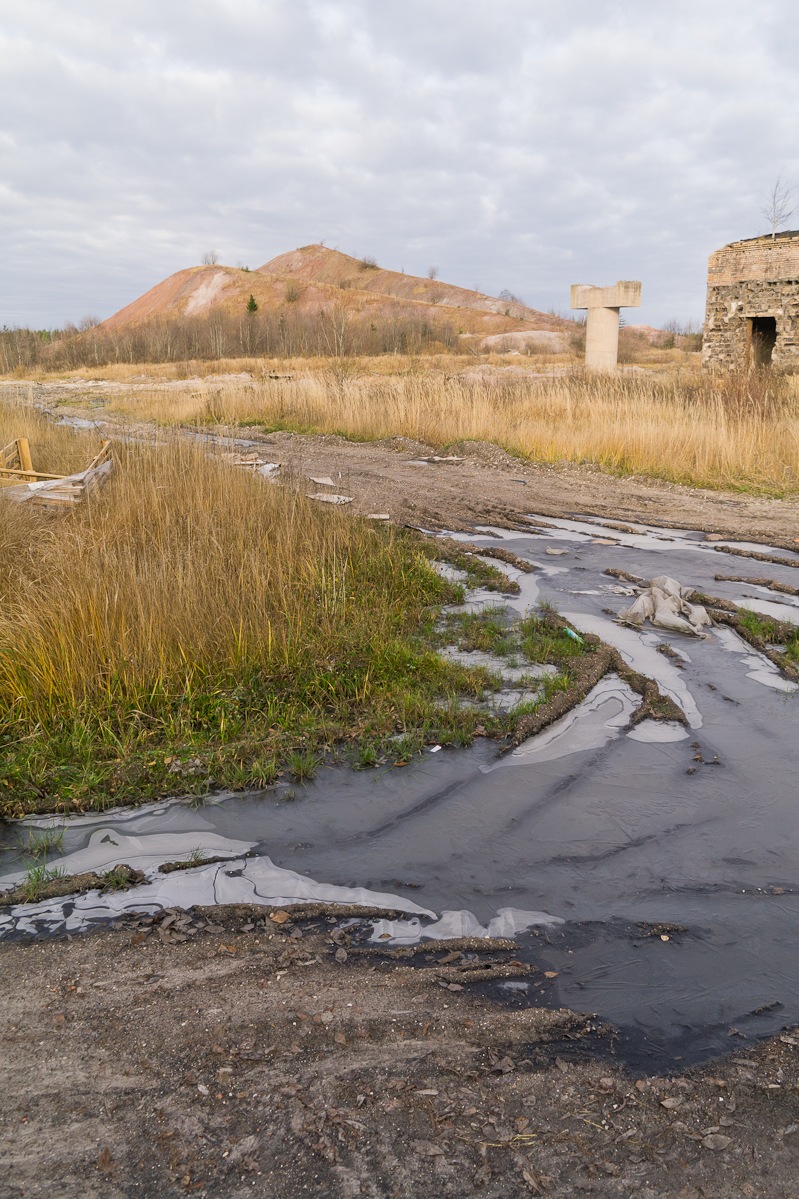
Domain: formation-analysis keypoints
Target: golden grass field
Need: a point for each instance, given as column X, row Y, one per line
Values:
column 678, row 424
column 191, row 604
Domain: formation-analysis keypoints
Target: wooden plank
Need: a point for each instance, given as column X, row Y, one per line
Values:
column 9, row 455
column 24, row 451
column 33, row 475
column 99, row 458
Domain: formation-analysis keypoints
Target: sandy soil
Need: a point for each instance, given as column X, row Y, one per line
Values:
column 490, row 486
column 251, row 1058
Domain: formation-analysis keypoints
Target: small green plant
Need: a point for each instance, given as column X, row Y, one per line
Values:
column 40, row 844
column 252, row 304
column 36, row 880
column 406, row 747
column 117, row 879
column 196, row 855
column 367, row 755
column 302, row 764
column 263, row 773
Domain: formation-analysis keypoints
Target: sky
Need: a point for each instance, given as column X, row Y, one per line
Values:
column 520, row 145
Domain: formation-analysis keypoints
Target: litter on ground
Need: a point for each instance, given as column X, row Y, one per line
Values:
column 325, row 497
column 664, row 603
column 22, row 483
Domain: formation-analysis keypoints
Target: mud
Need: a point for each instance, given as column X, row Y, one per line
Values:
column 591, row 825
column 278, row 1060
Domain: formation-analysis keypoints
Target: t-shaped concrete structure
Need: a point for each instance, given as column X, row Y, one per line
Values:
column 602, row 325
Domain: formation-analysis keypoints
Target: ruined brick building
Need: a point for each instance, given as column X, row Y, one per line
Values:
column 753, row 303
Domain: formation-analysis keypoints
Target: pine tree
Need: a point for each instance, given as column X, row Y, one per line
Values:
column 252, row 304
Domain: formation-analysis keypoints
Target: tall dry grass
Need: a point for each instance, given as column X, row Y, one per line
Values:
column 55, row 449
column 714, row 431
column 186, row 578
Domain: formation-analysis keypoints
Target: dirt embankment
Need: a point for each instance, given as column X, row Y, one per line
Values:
column 249, row 1057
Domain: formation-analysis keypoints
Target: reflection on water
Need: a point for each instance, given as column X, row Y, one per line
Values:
column 588, row 823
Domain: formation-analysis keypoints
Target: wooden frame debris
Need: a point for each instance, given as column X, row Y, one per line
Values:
column 16, row 467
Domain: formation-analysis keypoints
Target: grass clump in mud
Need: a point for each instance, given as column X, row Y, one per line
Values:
column 764, row 631
column 488, row 631
column 777, row 640
column 193, row 627
column 536, row 640
column 43, row 882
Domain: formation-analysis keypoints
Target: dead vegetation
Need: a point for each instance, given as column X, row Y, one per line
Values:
column 195, row 613
column 712, row 431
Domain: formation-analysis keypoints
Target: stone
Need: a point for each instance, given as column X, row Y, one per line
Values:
column 602, row 324
column 752, row 312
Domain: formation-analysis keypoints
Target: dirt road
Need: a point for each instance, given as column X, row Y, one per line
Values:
column 489, row 486
column 255, row 1058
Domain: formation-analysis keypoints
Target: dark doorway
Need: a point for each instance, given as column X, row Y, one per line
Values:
column 763, row 333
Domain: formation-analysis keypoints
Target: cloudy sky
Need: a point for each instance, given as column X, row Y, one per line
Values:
column 521, row 145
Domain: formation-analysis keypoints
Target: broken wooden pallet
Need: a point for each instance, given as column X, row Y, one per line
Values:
column 22, row 483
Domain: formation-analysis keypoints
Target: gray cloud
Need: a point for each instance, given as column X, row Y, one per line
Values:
column 513, row 147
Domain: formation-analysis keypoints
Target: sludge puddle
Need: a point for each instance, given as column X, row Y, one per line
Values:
column 578, row 843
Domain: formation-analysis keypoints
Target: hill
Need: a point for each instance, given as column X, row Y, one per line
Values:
column 314, row 279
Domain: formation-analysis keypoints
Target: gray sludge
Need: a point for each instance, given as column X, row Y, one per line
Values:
column 584, row 843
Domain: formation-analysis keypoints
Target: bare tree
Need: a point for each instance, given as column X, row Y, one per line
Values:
column 210, row 258
column 432, row 272
column 778, row 206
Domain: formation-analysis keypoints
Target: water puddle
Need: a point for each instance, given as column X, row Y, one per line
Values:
column 577, row 843
column 757, row 665
column 640, row 651
column 598, row 719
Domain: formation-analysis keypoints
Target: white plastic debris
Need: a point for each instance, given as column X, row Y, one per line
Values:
column 269, row 469
column 664, row 603
column 326, row 497
column 256, row 463
column 442, row 458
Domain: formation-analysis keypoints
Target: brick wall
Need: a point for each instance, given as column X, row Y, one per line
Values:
column 749, row 279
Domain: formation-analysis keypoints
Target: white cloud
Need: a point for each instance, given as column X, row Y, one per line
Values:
column 520, row 147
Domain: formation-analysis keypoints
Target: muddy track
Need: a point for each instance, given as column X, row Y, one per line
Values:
column 256, row 1059
column 489, row 486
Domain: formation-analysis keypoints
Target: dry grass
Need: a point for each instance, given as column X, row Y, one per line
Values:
column 185, row 567
column 190, row 605
column 731, row 432
column 55, row 449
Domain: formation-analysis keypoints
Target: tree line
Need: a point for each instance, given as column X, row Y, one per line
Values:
column 284, row 333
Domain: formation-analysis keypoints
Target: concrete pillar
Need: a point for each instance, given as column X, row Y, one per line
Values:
column 602, row 324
